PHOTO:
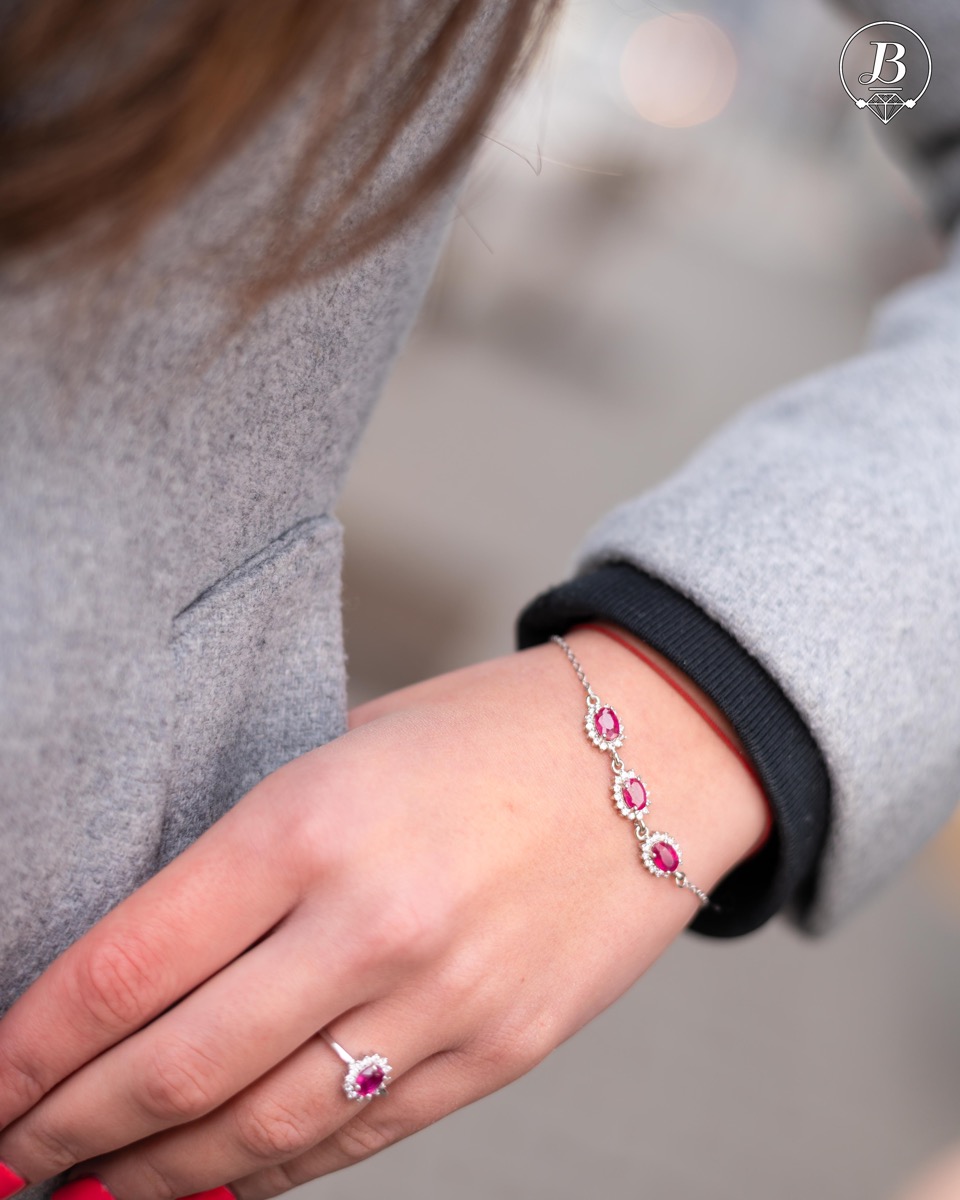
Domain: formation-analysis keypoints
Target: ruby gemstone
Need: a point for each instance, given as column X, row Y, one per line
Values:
column 665, row 858
column 606, row 723
column 369, row 1081
column 635, row 794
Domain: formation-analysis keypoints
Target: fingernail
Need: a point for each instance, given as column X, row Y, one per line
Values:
column 10, row 1181
column 87, row 1187
column 217, row 1193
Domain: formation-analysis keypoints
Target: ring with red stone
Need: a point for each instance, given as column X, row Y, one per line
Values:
column 365, row 1077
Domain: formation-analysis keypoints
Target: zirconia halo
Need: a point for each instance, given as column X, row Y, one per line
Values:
column 630, row 795
column 604, row 728
column 367, row 1077
column 657, row 860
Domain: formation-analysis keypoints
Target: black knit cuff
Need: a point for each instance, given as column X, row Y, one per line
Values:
column 784, row 754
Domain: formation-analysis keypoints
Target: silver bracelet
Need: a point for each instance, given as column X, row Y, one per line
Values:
column 658, row 851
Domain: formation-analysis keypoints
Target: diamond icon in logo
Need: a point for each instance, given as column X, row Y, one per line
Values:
column 885, row 105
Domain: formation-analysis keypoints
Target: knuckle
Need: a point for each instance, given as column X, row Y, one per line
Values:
column 22, row 1076
column 406, row 931
column 360, row 1138
column 113, row 983
column 179, row 1082
column 52, row 1148
column 508, row 1050
column 466, row 986
column 269, row 1130
column 152, row 1180
column 317, row 847
column 278, row 1178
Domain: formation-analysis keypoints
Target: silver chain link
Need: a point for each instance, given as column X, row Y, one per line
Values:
column 593, row 700
column 640, row 828
column 681, row 880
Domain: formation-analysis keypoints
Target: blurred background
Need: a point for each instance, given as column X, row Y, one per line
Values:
column 680, row 211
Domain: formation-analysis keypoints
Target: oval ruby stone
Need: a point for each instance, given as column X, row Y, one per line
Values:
column 635, row 794
column 368, row 1081
column 665, row 858
column 606, row 723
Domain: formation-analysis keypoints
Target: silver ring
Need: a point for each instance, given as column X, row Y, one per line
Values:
column 366, row 1077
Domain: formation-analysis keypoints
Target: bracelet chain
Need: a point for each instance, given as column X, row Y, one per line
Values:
column 659, row 853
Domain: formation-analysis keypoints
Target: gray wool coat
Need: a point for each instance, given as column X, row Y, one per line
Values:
column 170, row 558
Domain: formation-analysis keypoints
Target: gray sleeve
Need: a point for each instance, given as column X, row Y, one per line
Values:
column 821, row 528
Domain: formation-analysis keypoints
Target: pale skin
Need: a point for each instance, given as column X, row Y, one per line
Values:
column 448, row 884
column 939, row 1180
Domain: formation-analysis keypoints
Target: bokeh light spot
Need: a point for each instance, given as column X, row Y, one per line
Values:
column 678, row 70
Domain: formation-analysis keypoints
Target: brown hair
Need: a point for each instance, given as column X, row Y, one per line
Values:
column 149, row 97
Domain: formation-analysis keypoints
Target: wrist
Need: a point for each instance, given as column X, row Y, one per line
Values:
column 704, row 792
column 698, row 700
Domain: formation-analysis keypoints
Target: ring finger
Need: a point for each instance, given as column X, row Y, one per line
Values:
column 188, row 1062
column 439, row 1085
column 296, row 1105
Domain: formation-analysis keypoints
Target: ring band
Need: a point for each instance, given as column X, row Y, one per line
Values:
column 366, row 1077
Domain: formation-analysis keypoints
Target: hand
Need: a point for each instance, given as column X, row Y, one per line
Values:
column 448, row 884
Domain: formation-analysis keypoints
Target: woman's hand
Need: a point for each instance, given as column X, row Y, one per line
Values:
column 448, row 885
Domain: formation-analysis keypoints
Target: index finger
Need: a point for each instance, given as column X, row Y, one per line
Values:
column 149, row 951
